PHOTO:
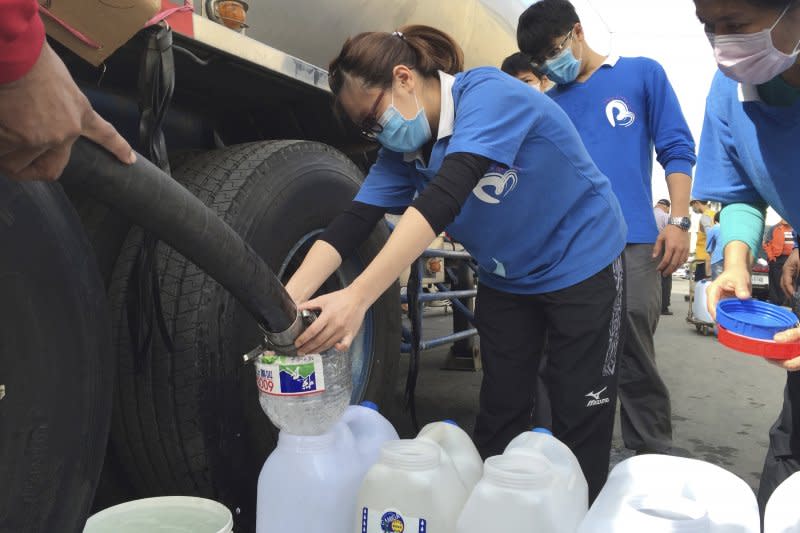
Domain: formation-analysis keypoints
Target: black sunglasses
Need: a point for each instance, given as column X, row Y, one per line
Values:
column 370, row 128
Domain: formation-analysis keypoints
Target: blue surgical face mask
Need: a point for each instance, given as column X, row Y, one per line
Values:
column 401, row 134
column 563, row 68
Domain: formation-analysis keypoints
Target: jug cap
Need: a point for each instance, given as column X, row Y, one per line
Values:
column 544, row 431
column 451, row 422
column 370, row 405
column 753, row 318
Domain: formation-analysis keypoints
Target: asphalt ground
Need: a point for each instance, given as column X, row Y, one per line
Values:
column 723, row 402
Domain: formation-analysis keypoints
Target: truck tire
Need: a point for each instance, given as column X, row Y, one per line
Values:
column 55, row 369
column 189, row 421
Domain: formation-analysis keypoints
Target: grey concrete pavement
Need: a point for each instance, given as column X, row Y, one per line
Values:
column 723, row 402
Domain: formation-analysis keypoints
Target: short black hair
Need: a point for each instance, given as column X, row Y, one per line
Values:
column 541, row 23
column 663, row 202
column 516, row 63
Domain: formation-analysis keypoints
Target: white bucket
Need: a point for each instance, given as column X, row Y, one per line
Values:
column 173, row 514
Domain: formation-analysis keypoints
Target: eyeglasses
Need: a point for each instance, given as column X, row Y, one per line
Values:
column 370, row 128
column 553, row 51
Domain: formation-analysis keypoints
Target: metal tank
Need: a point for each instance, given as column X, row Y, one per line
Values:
column 314, row 30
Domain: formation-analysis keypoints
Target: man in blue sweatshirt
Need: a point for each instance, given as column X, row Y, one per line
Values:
column 623, row 108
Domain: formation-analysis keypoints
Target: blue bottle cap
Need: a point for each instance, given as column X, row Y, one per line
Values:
column 451, row 422
column 370, row 405
column 754, row 318
column 544, row 431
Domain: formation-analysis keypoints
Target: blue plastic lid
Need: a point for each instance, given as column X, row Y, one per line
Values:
column 370, row 405
column 542, row 430
column 451, row 422
column 754, row 318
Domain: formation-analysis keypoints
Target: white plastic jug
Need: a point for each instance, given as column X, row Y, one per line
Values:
column 664, row 494
column 413, row 488
column 515, row 495
column 782, row 514
column 459, row 446
column 176, row 514
column 569, row 493
column 370, row 430
column 310, row 483
column 700, row 303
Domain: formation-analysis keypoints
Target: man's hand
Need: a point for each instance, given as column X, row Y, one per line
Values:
column 791, row 269
column 733, row 282
column 41, row 116
column 790, row 335
column 674, row 242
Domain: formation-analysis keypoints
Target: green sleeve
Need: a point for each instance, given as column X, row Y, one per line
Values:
column 743, row 222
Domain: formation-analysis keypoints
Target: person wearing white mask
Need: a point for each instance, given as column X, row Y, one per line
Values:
column 748, row 159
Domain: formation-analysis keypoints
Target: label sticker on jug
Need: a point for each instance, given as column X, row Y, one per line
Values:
column 280, row 375
column 390, row 521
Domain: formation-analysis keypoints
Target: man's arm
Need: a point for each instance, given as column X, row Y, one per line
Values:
column 675, row 152
column 42, row 111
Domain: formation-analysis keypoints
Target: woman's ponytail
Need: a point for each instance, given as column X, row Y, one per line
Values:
column 372, row 56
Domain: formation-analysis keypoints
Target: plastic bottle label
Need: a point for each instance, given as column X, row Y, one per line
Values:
column 390, row 521
column 280, row 375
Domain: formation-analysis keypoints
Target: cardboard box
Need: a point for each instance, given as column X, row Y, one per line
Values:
column 107, row 23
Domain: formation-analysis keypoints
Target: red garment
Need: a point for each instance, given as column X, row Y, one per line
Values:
column 781, row 242
column 21, row 38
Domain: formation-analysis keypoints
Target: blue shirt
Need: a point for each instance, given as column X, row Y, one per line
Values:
column 749, row 150
column 622, row 111
column 713, row 246
column 543, row 217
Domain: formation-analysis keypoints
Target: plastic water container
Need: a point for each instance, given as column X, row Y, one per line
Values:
column 370, row 430
column 413, row 488
column 310, row 483
column 176, row 514
column 663, row 494
column 455, row 442
column 568, row 491
column 304, row 395
column 782, row 514
column 516, row 495
column 700, row 303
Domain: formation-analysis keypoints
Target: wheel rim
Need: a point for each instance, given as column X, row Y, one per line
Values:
column 361, row 349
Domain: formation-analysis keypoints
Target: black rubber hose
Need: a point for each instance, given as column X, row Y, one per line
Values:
column 156, row 202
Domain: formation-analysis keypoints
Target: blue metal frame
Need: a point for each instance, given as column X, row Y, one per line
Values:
column 415, row 300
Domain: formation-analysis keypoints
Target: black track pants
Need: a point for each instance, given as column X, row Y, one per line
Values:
column 584, row 327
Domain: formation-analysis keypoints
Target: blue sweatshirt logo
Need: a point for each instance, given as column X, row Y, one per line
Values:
column 617, row 113
column 495, row 185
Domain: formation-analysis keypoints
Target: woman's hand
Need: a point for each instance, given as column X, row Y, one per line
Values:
column 340, row 318
column 734, row 281
column 790, row 335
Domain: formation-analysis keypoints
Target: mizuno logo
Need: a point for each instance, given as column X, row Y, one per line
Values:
column 596, row 399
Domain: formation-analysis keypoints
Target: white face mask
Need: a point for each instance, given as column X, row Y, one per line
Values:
column 752, row 57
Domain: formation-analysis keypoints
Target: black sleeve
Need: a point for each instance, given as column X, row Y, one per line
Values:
column 352, row 227
column 441, row 201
